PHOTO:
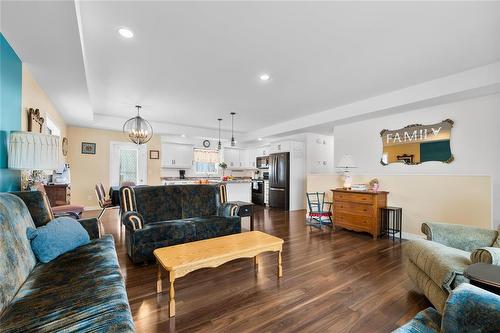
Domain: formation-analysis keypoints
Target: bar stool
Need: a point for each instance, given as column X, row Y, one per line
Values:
column 392, row 220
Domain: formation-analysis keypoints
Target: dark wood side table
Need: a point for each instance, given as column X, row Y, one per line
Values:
column 245, row 209
column 485, row 276
column 58, row 194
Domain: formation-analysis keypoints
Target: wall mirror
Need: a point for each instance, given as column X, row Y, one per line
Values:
column 415, row 144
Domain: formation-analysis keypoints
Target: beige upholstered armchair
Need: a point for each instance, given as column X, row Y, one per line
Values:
column 436, row 265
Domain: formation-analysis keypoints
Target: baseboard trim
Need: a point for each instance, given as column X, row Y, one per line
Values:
column 410, row 236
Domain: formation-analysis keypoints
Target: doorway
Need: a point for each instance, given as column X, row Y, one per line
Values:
column 127, row 164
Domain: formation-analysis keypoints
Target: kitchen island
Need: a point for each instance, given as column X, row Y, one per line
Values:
column 237, row 189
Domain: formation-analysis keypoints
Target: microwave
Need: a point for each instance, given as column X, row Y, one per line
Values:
column 262, row 162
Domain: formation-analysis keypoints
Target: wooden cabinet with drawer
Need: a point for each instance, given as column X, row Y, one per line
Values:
column 358, row 210
column 58, row 194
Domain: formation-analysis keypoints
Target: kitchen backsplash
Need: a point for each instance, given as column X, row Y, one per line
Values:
column 192, row 173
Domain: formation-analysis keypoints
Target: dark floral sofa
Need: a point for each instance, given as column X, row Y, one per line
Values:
column 79, row 291
column 159, row 216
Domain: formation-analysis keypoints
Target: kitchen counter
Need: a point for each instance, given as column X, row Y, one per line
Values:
column 239, row 189
column 187, row 181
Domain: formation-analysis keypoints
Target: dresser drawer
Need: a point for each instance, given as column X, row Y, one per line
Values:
column 354, row 197
column 356, row 222
column 353, row 208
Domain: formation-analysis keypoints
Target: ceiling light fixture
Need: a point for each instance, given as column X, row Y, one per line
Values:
column 126, row 33
column 219, row 144
column 183, row 135
column 265, row 77
column 260, row 139
column 137, row 129
column 233, row 143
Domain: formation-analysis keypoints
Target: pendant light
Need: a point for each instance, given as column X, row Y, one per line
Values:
column 233, row 143
column 137, row 129
column 219, row 145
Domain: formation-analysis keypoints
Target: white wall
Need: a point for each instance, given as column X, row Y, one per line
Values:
column 475, row 143
column 319, row 153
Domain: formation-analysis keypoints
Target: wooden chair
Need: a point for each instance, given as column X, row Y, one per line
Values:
column 62, row 209
column 103, row 202
column 318, row 210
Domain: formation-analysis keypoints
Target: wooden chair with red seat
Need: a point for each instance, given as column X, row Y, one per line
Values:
column 62, row 209
column 103, row 202
column 319, row 210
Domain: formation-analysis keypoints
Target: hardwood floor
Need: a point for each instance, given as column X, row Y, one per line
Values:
column 332, row 282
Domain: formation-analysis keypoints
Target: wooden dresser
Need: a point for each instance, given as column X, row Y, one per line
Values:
column 358, row 210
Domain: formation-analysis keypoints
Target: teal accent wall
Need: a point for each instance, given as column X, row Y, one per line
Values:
column 10, row 110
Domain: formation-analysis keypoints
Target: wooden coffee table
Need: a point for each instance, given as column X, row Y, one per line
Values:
column 179, row 260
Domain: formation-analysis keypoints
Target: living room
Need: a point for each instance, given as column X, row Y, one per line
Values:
column 247, row 166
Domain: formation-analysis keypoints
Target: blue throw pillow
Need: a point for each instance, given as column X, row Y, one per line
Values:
column 57, row 237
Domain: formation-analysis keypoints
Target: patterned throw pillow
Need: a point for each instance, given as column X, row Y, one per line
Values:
column 57, row 237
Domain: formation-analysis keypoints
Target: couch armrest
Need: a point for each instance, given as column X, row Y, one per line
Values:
column 228, row 209
column 132, row 220
column 92, row 226
column 487, row 255
column 471, row 309
column 459, row 236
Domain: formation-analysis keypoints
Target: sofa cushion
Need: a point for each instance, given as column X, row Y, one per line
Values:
column 38, row 206
column 471, row 309
column 426, row 321
column 57, row 237
column 199, row 200
column 173, row 232
column 158, row 203
column 215, row 226
column 80, row 291
column 16, row 257
column 444, row 265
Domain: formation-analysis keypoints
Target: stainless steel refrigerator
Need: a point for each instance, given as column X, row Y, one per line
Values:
column 279, row 180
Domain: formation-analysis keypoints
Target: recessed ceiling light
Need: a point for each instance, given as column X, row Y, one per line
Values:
column 126, row 33
column 264, row 77
column 260, row 139
column 183, row 135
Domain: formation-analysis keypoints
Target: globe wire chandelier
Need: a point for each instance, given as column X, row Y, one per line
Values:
column 137, row 129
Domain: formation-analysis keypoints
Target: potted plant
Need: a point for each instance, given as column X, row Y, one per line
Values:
column 223, row 166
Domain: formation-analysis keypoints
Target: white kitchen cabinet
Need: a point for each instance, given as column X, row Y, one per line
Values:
column 252, row 155
column 238, row 158
column 262, row 151
column 239, row 191
column 244, row 158
column 280, row 147
column 232, row 157
column 176, row 156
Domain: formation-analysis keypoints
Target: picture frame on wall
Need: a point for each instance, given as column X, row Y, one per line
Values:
column 88, row 148
column 154, row 154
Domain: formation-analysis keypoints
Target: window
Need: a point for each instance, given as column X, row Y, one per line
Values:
column 205, row 160
column 52, row 129
column 128, row 166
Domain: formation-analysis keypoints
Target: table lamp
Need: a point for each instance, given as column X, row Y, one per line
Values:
column 346, row 163
column 34, row 152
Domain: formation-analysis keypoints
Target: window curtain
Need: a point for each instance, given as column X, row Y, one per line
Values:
column 206, row 161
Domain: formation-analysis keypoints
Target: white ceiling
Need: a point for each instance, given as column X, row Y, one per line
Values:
column 190, row 63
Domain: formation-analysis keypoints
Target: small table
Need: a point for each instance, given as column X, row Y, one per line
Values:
column 245, row 209
column 179, row 260
column 485, row 276
column 392, row 219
